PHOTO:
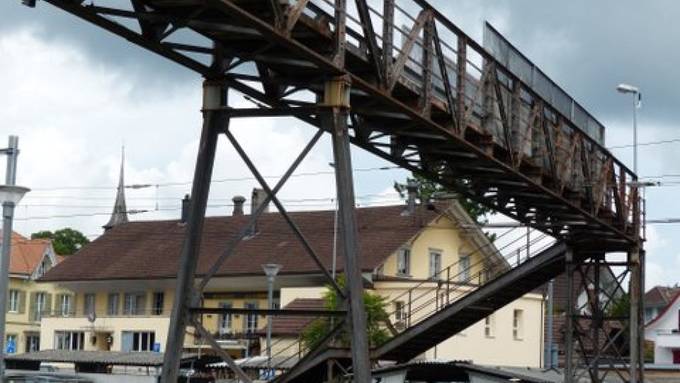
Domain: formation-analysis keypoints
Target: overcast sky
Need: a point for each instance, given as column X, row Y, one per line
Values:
column 74, row 94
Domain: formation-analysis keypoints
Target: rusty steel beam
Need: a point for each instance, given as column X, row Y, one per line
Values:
column 360, row 83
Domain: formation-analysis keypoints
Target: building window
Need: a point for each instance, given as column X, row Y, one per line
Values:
column 13, row 301
column 44, row 266
column 138, row 341
column 134, row 304
column 404, row 262
column 251, row 319
column 158, row 303
column 11, row 345
column 65, row 304
column 517, row 325
column 399, row 312
column 112, row 306
column 435, row 264
column 40, row 306
column 89, row 304
column 32, row 343
column 225, row 319
column 489, row 324
column 464, row 268
column 69, row 340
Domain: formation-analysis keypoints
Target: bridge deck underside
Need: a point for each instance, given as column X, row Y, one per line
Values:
column 490, row 139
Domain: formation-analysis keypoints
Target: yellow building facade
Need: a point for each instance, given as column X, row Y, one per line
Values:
column 27, row 300
column 124, row 282
column 117, row 318
column 415, row 280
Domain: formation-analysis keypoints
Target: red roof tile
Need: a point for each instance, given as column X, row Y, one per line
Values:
column 148, row 250
column 292, row 325
column 26, row 254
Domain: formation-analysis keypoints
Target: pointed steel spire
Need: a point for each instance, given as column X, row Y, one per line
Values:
column 119, row 214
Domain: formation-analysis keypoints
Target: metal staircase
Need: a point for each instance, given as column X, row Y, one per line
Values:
column 434, row 314
column 474, row 306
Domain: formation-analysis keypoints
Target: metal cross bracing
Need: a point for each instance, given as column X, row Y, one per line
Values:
column 399, row 80
column 422, row 93
column 603, row 340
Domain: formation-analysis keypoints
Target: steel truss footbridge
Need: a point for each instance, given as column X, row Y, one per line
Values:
column 400, row 80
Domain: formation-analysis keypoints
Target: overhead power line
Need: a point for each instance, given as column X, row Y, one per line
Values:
column 650, row 143
column 186, row 183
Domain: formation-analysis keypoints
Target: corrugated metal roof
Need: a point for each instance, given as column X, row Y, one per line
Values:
column 116, row 358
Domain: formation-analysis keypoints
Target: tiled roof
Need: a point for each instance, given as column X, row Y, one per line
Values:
column 151, row 249
column 660, row 296
column 26, row 254
column 292, row 325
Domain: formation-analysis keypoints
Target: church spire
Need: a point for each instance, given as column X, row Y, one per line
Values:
column 119, row 214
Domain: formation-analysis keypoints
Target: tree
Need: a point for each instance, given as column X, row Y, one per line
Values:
column 428, row 189
column 619, row 307
column 376, row 315
column 65, row 241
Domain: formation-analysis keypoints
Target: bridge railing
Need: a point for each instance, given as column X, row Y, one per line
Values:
column 457, row 279
column 492, row 103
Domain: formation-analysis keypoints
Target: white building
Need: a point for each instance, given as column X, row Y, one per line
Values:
column 664, row 331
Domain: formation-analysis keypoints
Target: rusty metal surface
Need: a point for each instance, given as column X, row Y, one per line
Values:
column 500, row 144
column 421, row 94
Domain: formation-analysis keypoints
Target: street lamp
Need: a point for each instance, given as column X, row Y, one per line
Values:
column 637, row 96
column 270, row 270
column 10, row 195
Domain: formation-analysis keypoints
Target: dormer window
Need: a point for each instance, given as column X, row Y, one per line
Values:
column 44, row 267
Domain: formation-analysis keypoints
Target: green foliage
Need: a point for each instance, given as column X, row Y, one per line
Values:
column 376, row 314
column 619, row 307
column 65, row 241
column 428, row 189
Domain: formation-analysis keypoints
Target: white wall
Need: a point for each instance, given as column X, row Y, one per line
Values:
column 114, row 325
column 660, row 332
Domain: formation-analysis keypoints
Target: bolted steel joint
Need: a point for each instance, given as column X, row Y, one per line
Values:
column 336, row 92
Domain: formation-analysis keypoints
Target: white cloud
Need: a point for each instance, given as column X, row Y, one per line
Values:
column 72, row 114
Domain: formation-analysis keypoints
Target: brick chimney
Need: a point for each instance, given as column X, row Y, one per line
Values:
column 257, row 198
column 412, row 195
column 238, row 200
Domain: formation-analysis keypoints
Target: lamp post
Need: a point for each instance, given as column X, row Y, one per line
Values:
column 270, row 270
column 10, row 195
column 629, row 89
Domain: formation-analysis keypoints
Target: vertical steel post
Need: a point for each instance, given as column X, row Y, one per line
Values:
column 569, row 333
column 596, row 321
column 641, row 315
column 214, row 122
column 634, row 292
column 549, row 363
column 337, row 99
column 12, row 152
column 7, row 214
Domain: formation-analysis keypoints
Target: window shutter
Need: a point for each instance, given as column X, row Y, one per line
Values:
column 59, row 307
column 74, row 305
column 48, row 304
column 22, row 302
column 33, row 306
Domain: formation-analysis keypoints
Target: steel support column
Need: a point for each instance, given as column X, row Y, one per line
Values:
column 335, row 121
column 635, row 291
column 214, row 121
column 569, row 325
